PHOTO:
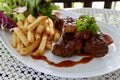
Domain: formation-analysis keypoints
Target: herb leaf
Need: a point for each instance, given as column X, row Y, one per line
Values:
column 86, row 22
column 94, row 28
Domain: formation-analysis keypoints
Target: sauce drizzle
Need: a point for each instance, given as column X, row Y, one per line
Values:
column 66, row 63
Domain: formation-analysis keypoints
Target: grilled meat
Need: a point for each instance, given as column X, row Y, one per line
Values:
column 67, row 45
column 95, row 46
column 73, row 42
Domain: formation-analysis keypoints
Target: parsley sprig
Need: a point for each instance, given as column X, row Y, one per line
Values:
column 86, row 22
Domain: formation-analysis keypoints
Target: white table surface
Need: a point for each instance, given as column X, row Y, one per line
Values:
column 13, row 69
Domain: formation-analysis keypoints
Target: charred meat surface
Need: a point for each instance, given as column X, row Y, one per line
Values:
column 95, row 46
column 83, row 34
column 67, row 46
column 58, row 23
column 69, row 25
column 83, row 39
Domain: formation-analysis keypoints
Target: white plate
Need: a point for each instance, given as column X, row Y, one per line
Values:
column 96, row 67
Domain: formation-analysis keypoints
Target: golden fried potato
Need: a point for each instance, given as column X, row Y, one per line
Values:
column 21, row 36
column 49, row 43
column 40, row 19
column 29, row 49
column 14, row 40
column 19, row 45
column 30, row 18
column 48, row 31
column 30, row 36
column 42, row 45
column 20, row 24
column 34, row 35
column 57, row 35
column 51, row 25
column 40, row 29
column 26, row 24
column 37, row 36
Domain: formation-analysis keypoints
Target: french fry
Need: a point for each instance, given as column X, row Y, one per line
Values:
column 40, row 19
column 48, row 31
column 24, row 27
column 40, row 28
column 46, row 24
column 14, row 40
column 57, row 35
column 51, row 25
column 34, row 35
column 21, row 36
column 29, row 49
column 26, row 24
column 20, row 24
column 42, row 45
column 19, row 45
column 24, row 31
column 37, row 36
column 30, row 18
column 49, row 43
column 30, row 36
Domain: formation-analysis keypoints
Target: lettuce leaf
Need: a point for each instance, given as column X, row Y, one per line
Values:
column 34, row 7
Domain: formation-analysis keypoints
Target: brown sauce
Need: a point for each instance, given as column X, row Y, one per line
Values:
column 66, row 63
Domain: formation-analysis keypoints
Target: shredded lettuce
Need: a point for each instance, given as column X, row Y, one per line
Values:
column 19, row 17
column 7, row 9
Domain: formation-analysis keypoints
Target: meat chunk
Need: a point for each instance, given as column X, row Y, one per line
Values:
column 67, row 46
column 65, row 25
column 69, row 25
column 78, row 46
column 68, row 50
column 59, row 50
column 106, row 38
column 95, row 46
column 69, row 29
column 84, row 34
column 64, row 50
column 58, row 23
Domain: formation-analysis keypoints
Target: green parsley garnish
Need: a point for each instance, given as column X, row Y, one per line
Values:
column 86, row 22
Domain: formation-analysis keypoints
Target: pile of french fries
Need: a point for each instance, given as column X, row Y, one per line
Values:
column 34, row 35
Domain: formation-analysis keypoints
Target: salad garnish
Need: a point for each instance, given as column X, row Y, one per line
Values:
column 6, row 22
column 17, row 10
column 34, row 7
